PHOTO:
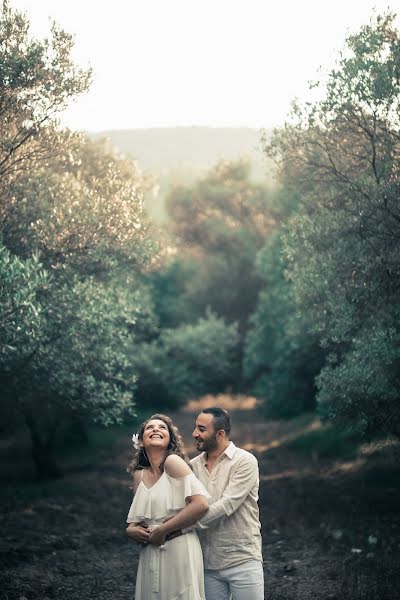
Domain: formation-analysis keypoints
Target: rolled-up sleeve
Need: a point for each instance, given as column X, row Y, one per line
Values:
column 241, row 482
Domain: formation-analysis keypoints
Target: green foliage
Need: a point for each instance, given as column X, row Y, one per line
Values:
column 220, row 223
column 327, row 442
column 83, row 213
column 72, row 208
column 168, row 284
column 83, row 210
column 342, row 249
column 186, row 361
column 37, row 80
column 78, row 362
column 281, row 358
column 362, row 388
column 21, row 283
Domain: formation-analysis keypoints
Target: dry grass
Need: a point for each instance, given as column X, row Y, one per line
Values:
column 227, row 401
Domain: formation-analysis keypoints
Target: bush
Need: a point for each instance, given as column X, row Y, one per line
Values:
column 187, row 361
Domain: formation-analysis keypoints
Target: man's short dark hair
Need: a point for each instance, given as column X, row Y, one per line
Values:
column 221, row 416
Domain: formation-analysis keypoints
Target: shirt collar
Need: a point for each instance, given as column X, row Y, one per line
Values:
column 229, row 451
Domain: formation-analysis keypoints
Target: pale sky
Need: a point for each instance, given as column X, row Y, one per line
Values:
column 162, row 63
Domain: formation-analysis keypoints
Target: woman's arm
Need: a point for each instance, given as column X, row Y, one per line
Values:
column 197, row 504
column 138, row 531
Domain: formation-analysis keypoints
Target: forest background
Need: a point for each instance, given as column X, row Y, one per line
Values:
column 129, row 286
column 285, row 288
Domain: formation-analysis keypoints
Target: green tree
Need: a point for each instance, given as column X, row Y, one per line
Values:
column 220, row 223
column 77, row 367
column 76, row 207
column 168, row 283
column 342, row 155
column 88, row 225
column 186, row 361
column 83, row 210
column 281, row 357
column 37, row 80
column 20, row 285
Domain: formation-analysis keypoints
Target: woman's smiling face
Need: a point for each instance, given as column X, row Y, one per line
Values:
column 156, row 434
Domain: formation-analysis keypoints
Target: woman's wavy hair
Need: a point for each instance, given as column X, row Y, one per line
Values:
column 175, row 446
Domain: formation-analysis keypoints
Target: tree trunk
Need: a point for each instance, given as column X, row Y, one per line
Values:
column 43, row 452
column 77, row 433
column 45, row 464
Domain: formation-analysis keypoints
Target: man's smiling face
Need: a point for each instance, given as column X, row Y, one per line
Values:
column 204, row 433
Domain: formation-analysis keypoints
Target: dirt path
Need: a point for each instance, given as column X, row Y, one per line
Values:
column 326, row 535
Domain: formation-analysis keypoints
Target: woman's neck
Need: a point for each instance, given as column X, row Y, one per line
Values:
column 156, row 458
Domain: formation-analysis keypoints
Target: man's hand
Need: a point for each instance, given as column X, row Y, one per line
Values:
column 157, row 536
column 138, row 532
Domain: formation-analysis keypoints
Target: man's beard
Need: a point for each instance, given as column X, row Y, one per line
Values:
column 209, row 445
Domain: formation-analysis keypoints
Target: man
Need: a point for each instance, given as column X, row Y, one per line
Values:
column 230, row 531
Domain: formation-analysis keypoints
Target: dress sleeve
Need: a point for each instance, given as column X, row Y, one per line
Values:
column 164, row 499
column 182, row 488
column 140, row 509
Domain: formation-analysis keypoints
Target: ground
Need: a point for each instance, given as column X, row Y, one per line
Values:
column 331, row 527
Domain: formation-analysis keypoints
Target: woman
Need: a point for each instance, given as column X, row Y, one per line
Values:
column 167, row 499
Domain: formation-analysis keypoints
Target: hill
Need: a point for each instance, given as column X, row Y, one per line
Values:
column 179, row 155
column 170, row 147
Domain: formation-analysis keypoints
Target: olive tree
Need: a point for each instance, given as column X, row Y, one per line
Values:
column 342, row 155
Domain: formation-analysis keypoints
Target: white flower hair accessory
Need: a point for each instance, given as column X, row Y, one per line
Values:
column 135, row 440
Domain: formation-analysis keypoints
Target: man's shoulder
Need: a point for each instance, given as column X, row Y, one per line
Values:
column 244, row 456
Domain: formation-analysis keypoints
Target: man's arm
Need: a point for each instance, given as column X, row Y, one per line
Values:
column 241, row 482
column 198, row 504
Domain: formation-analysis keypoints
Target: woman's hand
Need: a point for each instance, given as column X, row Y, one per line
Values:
column 139, row 532
column 157, row 536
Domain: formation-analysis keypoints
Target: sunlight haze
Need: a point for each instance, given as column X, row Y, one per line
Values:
column 212, row 63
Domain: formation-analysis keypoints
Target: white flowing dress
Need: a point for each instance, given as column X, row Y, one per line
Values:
column 173, row 571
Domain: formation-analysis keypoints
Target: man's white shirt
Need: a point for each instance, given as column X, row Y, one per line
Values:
column 230, row 531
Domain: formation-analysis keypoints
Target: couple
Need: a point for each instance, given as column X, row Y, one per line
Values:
column 174, row 506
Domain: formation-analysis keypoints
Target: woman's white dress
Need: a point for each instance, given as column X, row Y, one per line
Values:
column 175, row 570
